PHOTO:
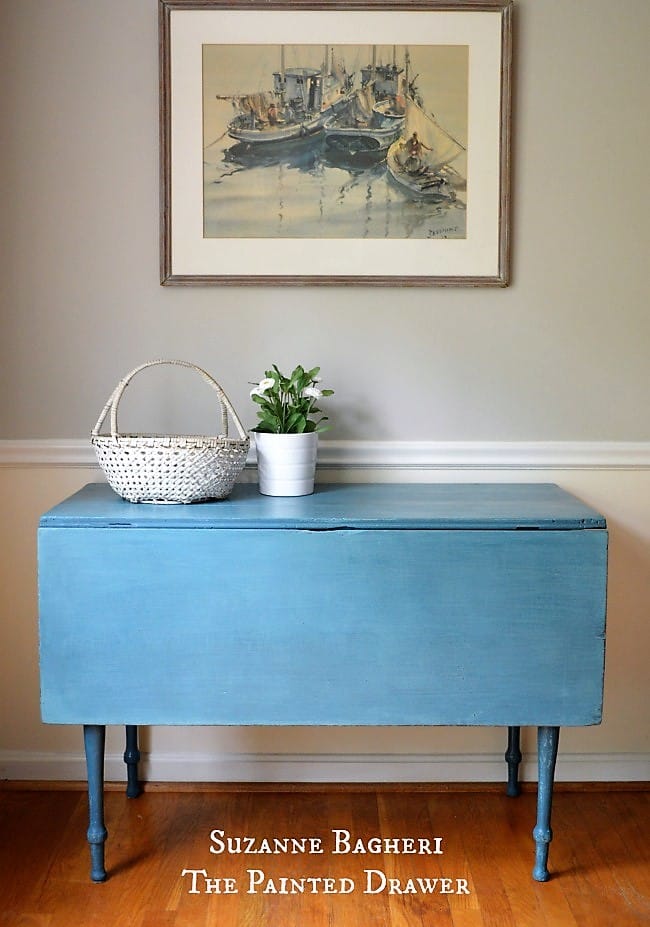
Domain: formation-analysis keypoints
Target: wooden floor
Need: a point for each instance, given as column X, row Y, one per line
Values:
column 600, row 859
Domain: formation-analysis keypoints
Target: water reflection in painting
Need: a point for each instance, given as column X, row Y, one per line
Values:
column 344, row 142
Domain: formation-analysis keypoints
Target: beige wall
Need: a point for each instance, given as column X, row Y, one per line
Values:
column 559, row 356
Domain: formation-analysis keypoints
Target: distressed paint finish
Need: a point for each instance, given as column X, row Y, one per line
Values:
column 362, row 604
column 357, row 505
column 94, row 742
column 547, row 745
column 355, row 627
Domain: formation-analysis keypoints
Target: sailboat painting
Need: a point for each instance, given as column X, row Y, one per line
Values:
column 344, row 143
column 335, row 141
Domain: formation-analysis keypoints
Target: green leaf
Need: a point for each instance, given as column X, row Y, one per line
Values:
column 272, row 420
column 283, row 409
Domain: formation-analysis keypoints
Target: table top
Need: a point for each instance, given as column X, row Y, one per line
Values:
column 498, row 506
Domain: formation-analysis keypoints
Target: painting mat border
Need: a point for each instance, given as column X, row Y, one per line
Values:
column 480, row 259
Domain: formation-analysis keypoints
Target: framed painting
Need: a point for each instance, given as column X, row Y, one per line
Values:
column 340, row 142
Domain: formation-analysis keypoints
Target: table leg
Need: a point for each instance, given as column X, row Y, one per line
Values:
column 94, row 741
column 132, row 758
column 513, row 759
column 547, row 743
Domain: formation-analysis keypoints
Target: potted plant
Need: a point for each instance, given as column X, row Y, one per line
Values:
column 286, row 437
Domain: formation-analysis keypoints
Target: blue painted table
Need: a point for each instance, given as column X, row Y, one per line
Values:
column 375, row 604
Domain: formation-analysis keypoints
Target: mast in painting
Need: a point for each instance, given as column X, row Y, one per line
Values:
column 283, row 76
column 407, row 70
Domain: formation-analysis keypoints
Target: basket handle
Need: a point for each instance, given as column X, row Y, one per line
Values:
column 115, row 397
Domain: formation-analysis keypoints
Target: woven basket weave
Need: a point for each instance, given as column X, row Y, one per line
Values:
column 170, row 468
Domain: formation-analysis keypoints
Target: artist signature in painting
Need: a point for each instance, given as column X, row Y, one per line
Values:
column 443, row 233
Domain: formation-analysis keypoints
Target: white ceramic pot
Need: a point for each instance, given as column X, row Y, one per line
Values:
column 286, row 464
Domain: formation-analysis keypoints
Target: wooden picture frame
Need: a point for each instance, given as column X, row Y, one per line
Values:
column 359, row 199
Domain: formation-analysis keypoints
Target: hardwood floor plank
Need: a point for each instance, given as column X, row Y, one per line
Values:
column 18, row 919
column 447, row 819
column 589, row 885
column 630, row 870
column 509, row 822
column 599, row 859
column 627, row 869
column 479, row 849
column 359, row 814
column 156, row 919
column 631, row 823
column 401, row 815
column 33, row 831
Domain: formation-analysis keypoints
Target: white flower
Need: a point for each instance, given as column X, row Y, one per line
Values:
column 311, row 392
column 263, row 386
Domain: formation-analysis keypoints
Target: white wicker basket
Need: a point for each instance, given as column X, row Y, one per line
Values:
column 170, row 468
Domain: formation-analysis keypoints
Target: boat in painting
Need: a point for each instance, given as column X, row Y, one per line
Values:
column 300, row 104
column 360, row 140
column 373, row 119
column 419, row 162
column 299, row 153
column 389, row 88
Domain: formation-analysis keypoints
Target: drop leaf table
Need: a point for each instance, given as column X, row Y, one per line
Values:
column 362, row 604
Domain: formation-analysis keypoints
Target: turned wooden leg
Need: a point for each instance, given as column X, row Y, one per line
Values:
column 94, row 742
column 547, row 744
column 132, row 758
column 513, row 759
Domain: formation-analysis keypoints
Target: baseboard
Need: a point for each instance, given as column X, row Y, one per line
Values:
column 393, row 455
column 196, row 767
